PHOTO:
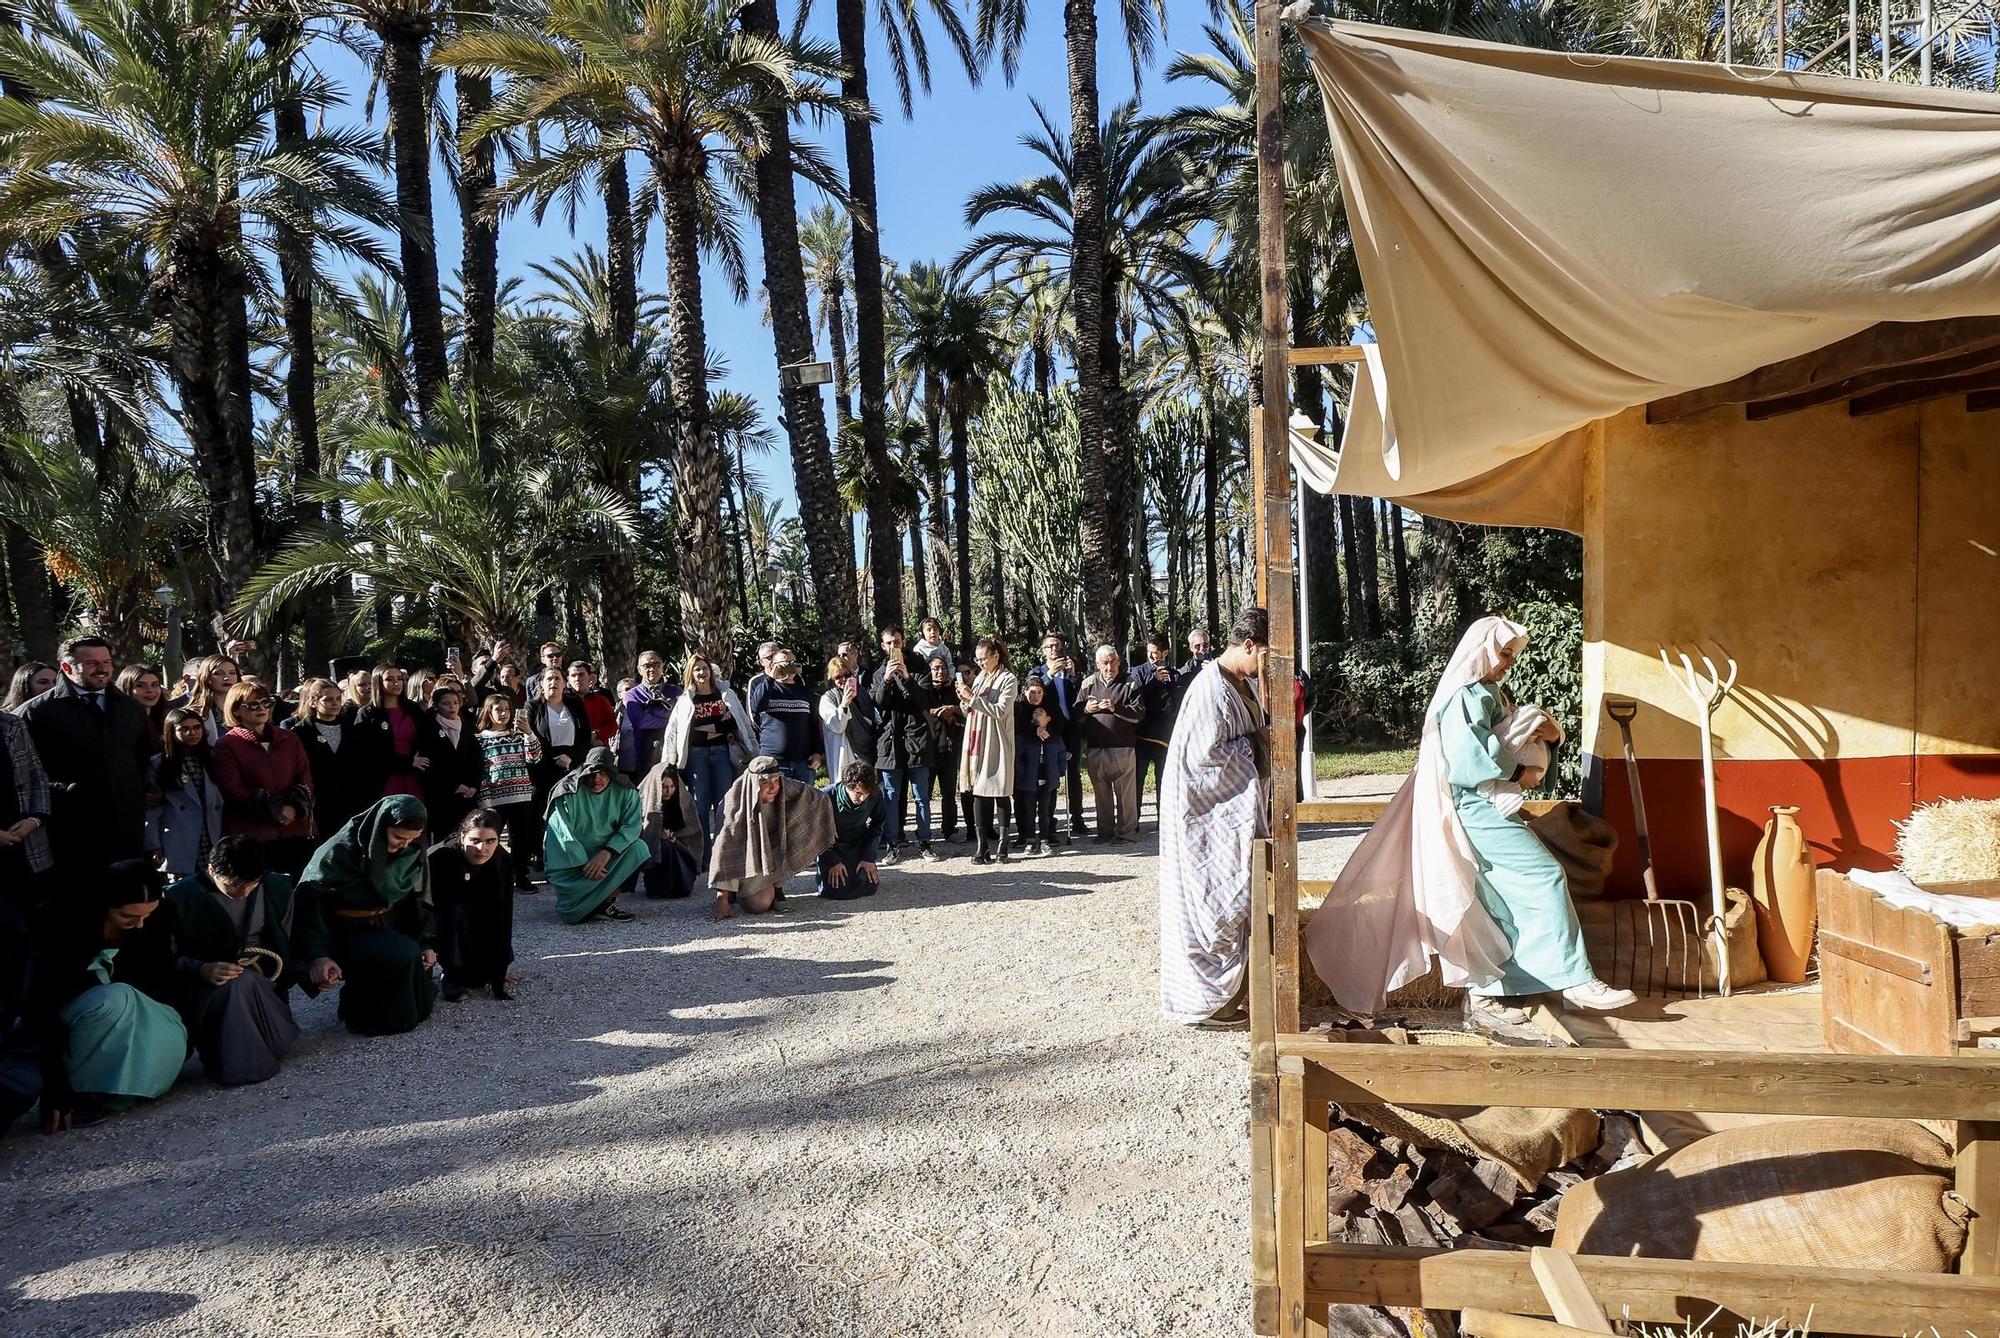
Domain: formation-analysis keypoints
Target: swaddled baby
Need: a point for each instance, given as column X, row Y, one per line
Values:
column 1518, row 729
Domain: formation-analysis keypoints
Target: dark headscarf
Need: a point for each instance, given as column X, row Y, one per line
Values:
column 359, row 851
column 598, row 761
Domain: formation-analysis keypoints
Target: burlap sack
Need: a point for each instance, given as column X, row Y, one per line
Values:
column 1813, row 1193
column 1528, row 1142
column 1582, row 843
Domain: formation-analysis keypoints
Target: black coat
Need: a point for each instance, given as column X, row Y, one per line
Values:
column 196, row 932
column 98, row 764
column 538, row 721
column 375, row 758
column 450, row 768
column 340, row 779
column 902, row 733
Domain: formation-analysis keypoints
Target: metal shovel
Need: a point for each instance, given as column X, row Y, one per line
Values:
column 1672, row 929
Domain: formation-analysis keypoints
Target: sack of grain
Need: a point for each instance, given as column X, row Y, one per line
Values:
column 1582, row 843
column 1817, row 1193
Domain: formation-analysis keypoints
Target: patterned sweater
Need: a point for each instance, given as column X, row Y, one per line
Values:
column 509, row 755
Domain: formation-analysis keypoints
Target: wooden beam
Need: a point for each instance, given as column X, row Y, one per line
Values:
column 1984, row 401
column 1325, row 357
column 1263, row 1101
column 1330, row 812
column 1719, row 1081
column 1849, row 387
column 1493, row 1324
column 1840, row 1300
column 1977, row 1180
column 1563, row 1287
column 1923, row 391
column 1879, row 346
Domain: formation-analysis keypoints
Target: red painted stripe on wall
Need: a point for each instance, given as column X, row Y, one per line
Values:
column 1848, row 809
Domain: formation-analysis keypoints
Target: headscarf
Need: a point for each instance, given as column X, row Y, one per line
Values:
column 759, row 843
column 1411, row 888
column 359, row 851
column 599, row 761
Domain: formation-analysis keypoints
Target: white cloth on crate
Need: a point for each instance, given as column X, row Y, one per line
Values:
column 1411, row 888
column 1212, row 807
column 1895, row 888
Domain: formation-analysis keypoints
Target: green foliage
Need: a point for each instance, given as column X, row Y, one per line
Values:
column 1025, row 450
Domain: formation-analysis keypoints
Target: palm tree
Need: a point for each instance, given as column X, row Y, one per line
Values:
column 153, row 128
column 479, row 212
column 827, row 533
column 1003, row 27
column 908, row 48
column 950, row 334
column 740, row 431
column 109, row 539
column 430, row 534
column 676, row 81
column 1149, row 273
column 827, row 242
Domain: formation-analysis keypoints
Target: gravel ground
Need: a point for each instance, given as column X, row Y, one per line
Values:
column 949, row 1110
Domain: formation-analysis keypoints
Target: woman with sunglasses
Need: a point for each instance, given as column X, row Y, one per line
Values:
column 265, row 779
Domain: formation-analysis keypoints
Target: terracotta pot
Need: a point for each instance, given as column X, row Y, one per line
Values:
column 1786, row 911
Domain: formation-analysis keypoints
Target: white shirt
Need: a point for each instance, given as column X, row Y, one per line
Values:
column 562, row 728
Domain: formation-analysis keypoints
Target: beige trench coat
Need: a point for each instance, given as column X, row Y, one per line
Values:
column 986, row 760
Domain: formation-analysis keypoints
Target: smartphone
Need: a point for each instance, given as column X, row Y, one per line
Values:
column 454, row 653
column 897, row 656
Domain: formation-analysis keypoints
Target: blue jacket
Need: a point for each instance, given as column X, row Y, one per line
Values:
column 786, row 718
column 175, row 827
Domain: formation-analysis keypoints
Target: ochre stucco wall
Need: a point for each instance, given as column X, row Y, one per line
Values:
column 1851, row 566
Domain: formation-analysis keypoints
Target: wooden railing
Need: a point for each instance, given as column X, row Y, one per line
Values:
column 1297, row 1271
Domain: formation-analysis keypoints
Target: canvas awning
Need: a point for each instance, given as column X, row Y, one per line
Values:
column 1547, row 239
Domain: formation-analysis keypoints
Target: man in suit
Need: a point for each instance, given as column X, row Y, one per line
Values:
column 95, row 744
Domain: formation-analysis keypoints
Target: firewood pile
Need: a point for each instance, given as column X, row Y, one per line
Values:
column 1384, row 1190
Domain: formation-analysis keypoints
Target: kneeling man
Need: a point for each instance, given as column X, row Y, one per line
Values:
column 847, row 868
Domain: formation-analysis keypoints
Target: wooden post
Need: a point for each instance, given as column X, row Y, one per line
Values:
column 1273, row 487
column 1978, row 1182
column 1292, row 1175
column 1263, row 1102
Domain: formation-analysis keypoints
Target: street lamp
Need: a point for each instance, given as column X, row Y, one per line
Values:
column 802, row 375
column 170, row 601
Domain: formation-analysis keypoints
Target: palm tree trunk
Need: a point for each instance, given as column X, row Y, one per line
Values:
column 918, row 567
column 1399, row 553
column 1102, row 537
column 885, row 558
column 997, row 591
column 295, row 274
column 939, row 540
column 1351, row 564
column 34, row 594
column 1319, row 546
column 200, row 341
column 620, row 251
column 698, row 465
column 477, row 177
column 1371, row 579
column 835, row 304
column 737, row 540
column 961, row 484
column 820, row 512
column 1211, row 483
column 405, row 32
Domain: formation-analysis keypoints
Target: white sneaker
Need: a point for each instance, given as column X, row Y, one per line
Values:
column 1597, row 997
column 1494, row 1012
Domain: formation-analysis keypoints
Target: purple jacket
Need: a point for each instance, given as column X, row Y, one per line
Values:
column 646, row 712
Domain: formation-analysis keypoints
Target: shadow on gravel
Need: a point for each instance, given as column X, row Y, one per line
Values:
column 93, row 1313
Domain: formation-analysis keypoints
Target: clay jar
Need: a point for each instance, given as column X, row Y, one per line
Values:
column 1786, row 911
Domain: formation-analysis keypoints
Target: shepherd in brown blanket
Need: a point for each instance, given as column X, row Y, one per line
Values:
column 771, row 828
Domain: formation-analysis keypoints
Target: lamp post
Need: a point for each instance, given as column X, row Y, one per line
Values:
column 170, row 602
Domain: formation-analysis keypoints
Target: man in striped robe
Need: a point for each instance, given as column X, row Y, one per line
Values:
column 1214, row 802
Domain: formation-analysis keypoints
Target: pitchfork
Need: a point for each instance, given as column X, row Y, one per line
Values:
column 1669, row 927
column 1707, row 696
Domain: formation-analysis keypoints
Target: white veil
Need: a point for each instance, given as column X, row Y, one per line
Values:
column 1411, row 888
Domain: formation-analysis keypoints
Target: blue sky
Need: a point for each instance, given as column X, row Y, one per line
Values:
column 960, row 138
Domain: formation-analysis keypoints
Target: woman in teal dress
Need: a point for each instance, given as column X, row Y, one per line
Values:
column 594, row 840
column 364, row 912
column 107, row 1042
column 1490, row 748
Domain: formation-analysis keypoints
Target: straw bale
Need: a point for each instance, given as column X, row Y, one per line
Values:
column 1951, row 841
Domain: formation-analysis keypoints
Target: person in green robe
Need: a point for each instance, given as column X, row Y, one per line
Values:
column 229, row 932
column 364, row 916
column 107, row 1041
column 594, row 840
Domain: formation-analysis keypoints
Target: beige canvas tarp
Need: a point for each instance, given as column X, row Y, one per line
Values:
column 1548, row 238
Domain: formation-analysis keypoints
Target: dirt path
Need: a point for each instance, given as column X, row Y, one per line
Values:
column 951, row 1110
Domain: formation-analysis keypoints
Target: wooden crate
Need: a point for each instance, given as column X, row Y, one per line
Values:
column 1901, row 982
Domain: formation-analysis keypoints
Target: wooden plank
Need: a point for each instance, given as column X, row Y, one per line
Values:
column 1970, row 1029
column 1315, row 1125
column 1874, row 958
column 1830, row 391
column 1977, row 1179
column 1263, row 1102
column 1565, row 1290
column 1291, row 1178
column 1922, row 390
column 1880, row 346
column 1839, row 1300
column 1325, row 357
column 1493, row 1324
column 1715, row 1081
column 1332, row 812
